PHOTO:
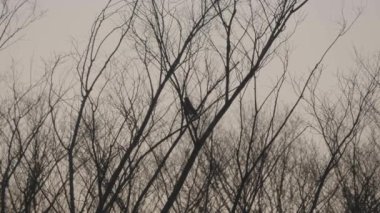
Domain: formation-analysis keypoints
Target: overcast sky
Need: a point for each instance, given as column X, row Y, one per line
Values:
column 68, row 19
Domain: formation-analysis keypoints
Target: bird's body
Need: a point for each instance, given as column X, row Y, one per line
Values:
column 189, row 108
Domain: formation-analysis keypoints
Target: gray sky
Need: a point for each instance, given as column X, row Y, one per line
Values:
column 70, row 19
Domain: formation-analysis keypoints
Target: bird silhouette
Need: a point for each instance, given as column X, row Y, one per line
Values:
column 189, row 108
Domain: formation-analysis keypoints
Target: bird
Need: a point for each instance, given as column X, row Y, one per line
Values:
column 189, row 108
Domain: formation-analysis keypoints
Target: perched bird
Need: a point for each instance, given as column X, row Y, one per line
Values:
column 189, row 108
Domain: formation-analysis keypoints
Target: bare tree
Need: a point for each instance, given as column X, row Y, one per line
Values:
column 140, row 126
